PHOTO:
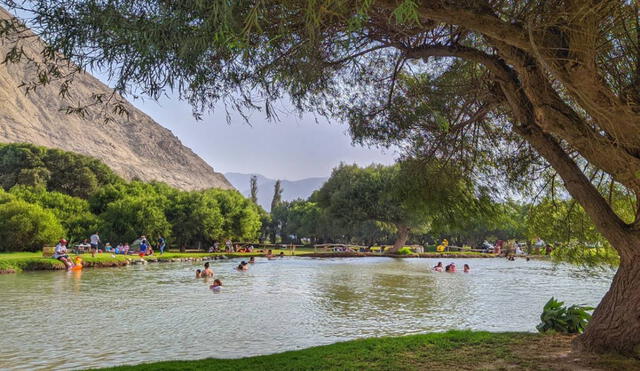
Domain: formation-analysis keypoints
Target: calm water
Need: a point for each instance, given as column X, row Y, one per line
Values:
column 103, row 317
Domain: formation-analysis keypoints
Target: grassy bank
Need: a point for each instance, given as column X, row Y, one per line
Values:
column 454, row 350
column 34, row 261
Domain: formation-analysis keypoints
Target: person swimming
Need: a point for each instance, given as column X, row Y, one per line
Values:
column 207, row 272
column 198, row 273
column 451, row 268
column 467, row 268
column 252, row 260
column 243, row 266
column 281, row 254
column 438, row 267
column 217, row 284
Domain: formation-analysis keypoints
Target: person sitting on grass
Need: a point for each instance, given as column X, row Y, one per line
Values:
column 60, row 253
column 217, row 284
column 243, row 266
column 125, row 249
column 207, row 272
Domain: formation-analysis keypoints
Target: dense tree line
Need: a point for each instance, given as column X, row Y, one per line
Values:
column 408, row 202
column 73, row 196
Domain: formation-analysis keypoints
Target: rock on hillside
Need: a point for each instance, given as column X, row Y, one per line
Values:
column 133, row 146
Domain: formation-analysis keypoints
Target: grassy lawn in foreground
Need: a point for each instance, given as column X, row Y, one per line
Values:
column 454, row 350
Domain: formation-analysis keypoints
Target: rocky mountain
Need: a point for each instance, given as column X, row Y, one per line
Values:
column 292, row 189
column 133, row 145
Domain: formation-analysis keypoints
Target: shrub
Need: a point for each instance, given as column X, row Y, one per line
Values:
column 556, row 317
column 405, row 251
column 27, row 227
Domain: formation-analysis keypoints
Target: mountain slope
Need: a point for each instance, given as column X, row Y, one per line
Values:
column 134, row 146
column 292, row 189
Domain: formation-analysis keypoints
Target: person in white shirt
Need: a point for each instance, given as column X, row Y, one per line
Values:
column 94, row 240
column 60, row 253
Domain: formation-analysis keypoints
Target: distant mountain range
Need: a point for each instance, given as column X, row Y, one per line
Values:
column 292, row 189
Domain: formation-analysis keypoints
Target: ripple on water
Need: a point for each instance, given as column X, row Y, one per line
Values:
column 104, row 317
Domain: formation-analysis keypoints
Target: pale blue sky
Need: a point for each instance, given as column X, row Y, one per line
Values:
column 292, row 148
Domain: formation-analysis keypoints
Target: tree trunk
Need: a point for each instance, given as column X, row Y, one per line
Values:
column 403, row 236
column 615, row 326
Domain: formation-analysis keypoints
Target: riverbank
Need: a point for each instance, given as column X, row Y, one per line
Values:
column 453, row 350
column 34, row 261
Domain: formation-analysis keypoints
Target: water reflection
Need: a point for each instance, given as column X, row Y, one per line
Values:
column 102, row 317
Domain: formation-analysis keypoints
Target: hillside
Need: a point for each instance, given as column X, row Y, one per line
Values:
column 134, row 146
column 292, row 189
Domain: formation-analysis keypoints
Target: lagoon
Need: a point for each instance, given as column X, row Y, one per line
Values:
column 143, row 313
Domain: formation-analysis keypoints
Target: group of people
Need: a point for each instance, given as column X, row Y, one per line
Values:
column 451, row 268
column 230, row 247
column 145, row 248
column 207, row 272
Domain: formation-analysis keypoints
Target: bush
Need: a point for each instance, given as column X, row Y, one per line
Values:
column 405, row 251
column 27, row 227
column 558, row 318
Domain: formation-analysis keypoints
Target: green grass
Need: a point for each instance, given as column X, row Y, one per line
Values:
column 31, row 261
column 454, row 350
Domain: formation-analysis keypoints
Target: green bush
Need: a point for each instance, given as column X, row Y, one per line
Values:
column 405, row 251
column 567, row 320
column 27, row 227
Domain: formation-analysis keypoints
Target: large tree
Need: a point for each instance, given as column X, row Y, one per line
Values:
column 407, row 196
column 500, row 79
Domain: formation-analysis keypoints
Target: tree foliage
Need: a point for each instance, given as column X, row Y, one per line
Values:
column 27, row 227
column 56, row 170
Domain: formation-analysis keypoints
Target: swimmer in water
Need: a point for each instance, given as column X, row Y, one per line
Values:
column 207, row 272
column 243, row 266
column 252, row 260
column 198, row 273
column 467, row 268
column 451, row 268
column 438, row 267
column 282, row 254
column 217, row 284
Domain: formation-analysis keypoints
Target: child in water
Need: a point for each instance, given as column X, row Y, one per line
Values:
column 198, row 273
column 451, row 268
column 438, row 268
column 467, row 268
column 252, row 260
column 217, row 284
column 243, row 266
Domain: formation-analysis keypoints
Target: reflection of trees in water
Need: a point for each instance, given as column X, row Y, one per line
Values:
column 382, row 290
column 428, row 300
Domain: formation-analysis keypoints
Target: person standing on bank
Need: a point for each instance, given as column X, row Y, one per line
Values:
column 161, row 244
column 94, row 240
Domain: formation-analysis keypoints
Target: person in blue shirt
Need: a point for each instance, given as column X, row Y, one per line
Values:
column 161, row 243
column 143, row 248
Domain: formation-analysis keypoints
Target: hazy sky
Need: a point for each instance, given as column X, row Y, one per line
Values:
column 292, row 148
